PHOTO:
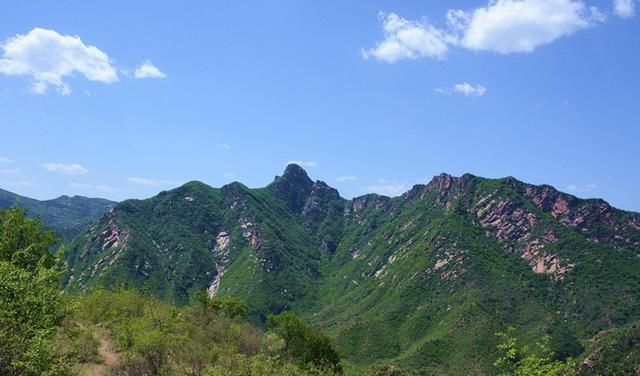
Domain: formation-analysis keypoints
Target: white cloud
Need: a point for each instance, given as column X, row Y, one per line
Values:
column 624, row 8
column 67, row 169
column 225, row 146
column 582, row 188
column 91, row 187
column 511, row 26
column 148, row 70
column 229, row 175
column 387, row 188
column 303, row 163
column 5, row 160
column 9, row 170
column 150, row 182
column 502, row 26
column 48, row 57
column 405, row 39
column 465, row 88
column 344, row 178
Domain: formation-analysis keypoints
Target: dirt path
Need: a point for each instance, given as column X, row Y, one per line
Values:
column 111, row 358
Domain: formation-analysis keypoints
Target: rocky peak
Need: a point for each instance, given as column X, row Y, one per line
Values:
column 295, row 173
column 320, row 197
column 293, row 187
column 446, row 187
column 442, row 182
column 321, row 189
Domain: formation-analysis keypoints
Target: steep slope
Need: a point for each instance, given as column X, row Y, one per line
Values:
column 423, row 280
column 67, row 216
column 443, row 267
column 187, row 239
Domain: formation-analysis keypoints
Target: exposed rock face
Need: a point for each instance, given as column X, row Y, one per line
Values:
column 113, row 240
column 449, row 267
column 447, row 188
column 222, row 240
column 221, row 252
column 542, row 261
column 370, row 201
column 512, row 224
column 590, row 216
column 504, row 218
column 320, row 194
column 114, row 236
column 212, row 290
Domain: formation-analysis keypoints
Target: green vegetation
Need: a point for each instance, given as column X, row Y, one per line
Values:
column 613, row 352
column 413, row 284
column 31, row 305
column 529, row 362
column 207, row 337
column 305, row 343
column 123, row 332
column 419, row 282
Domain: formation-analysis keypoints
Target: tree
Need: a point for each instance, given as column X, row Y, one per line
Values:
column 31, row 304
column 231, row 306
column 304, row 343
column 524, row 362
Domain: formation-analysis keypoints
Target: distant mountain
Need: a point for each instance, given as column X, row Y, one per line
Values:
column 423, row 280
column 67, row 216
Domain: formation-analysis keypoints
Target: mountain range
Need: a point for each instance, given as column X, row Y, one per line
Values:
column 423, row 280
column 67, row 216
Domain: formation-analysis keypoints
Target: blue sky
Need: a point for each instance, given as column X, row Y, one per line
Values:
column 369, row 95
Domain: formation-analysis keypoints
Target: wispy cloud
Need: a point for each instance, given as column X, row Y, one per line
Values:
column 92, row 187
column 344, row 178
column 6, row 160
column 303, row 163
column 466, row 89
column 624, row 8
column 148, row 70
column 387, row 188
column 48, row 57
column 66, row 169
column 502, row 26
column 151, row 182
column 225, row 146
column 9, row 170
column 229, row 175
column 574, row 188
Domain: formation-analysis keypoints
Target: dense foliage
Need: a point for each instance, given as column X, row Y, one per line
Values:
column 31, row 305
column 304, row 342
column 525, row 361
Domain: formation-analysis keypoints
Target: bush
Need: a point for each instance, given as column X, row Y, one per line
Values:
column 304, row 343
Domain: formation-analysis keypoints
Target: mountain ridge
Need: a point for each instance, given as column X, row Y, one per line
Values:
column 391, row 278
column 65, row 215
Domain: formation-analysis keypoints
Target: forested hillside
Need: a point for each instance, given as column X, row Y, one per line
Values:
column 422, row 281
